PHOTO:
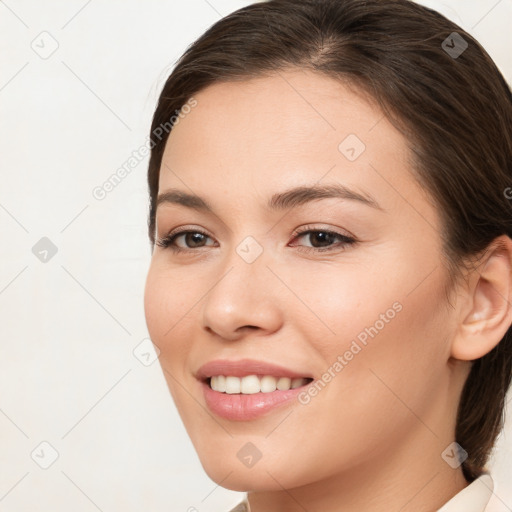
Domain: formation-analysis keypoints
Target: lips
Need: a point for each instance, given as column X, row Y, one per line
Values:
column 232, row 403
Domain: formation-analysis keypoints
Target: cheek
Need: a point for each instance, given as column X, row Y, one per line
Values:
column 393, row 293
column 166, row 304
column 385, row 333
column 155, row 304
column 166, row 318
column 349, row 302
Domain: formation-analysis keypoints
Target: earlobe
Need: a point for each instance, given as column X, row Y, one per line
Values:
column 489, row 296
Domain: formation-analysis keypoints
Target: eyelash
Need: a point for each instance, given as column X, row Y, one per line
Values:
column 168, row 241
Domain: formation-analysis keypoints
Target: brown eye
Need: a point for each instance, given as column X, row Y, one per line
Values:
column 324, row 240
column 191, row 239
column 321, row 238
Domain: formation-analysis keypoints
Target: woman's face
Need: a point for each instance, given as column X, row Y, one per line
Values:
column 345, row 286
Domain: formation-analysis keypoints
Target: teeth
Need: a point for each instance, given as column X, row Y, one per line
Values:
column 284, row 383
column 268, row 384
column 218, row 383
column 233, row 385
column 251, row 384
column 296, row 383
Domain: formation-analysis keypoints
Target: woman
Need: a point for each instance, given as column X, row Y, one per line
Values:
column 330, row 284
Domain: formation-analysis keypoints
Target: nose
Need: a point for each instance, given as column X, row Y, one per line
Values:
column 243, row 300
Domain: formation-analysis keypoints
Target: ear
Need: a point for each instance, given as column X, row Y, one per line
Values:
column 487, row 306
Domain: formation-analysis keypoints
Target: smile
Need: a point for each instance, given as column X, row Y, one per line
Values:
column 252, row 384
column 245, row 389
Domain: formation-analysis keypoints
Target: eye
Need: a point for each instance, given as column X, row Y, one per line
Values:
column 193, row 239
column 322, row 240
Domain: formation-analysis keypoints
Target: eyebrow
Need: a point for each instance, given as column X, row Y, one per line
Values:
column 290, row 198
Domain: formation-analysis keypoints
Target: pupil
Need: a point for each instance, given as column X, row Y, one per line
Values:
column 194, row 237
column 327, row 237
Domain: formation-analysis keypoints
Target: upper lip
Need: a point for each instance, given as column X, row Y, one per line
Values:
column 243, row 367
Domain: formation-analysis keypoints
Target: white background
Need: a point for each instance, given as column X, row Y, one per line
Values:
column 68, row 375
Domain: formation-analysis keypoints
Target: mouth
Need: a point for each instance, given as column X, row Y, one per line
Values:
column 252, row 384
column 245, row 390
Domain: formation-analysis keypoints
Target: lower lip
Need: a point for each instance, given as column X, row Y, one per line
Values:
column 238, row 407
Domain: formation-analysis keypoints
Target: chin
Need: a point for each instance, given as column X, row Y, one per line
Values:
column 273, row 471
column 239, row 479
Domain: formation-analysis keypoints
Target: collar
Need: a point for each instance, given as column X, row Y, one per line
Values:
column 473, row 498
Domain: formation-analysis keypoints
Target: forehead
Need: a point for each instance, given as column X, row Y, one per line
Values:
column 287, row 129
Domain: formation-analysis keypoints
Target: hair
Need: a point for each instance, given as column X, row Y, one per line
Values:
column 455, row 112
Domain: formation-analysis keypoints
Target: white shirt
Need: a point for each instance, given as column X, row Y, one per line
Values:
column 473, row 498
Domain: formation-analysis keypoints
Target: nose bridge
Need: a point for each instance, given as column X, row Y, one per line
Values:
column 243, row 276
column 245, row 265
column 242, row 295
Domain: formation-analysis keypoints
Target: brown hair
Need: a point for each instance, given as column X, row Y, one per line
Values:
column 455, row 111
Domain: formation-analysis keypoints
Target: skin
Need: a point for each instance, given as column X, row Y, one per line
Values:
column 372, row 438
